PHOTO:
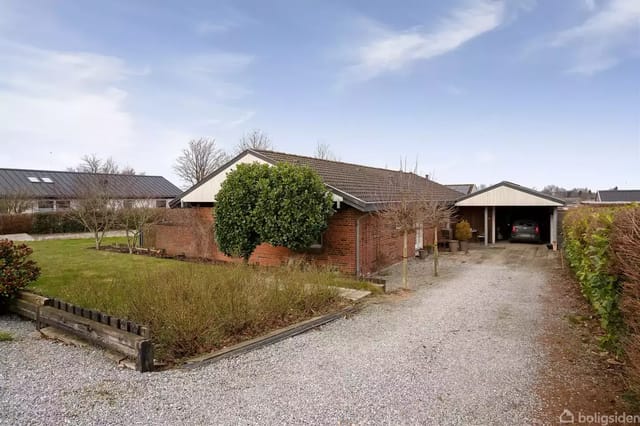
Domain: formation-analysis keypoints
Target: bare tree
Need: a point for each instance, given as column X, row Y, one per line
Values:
column 15, row 203
column 436, row 213
column 323, row 152
column 412, row 205
column 128, row 170
column 95, row 208
column 198, row 160
column 110, row 167
column 255, row 139
column 134, row 216
column 91, row 163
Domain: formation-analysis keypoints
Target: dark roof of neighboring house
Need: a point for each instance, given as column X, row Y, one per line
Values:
column 16, row 182
column 618, row 195
column 363, row 187
column 463, row 188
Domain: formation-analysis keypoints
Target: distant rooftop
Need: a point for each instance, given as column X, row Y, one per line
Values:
column 38, row 184
column 463, row 188
column 618, row 196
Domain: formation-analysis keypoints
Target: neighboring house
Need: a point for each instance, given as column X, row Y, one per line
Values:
column 47, row 190
column 618, row 196
column 356, row 241
column 463, row 188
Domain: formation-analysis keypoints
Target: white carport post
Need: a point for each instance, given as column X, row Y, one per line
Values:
column 486, row 225
column 493, row 225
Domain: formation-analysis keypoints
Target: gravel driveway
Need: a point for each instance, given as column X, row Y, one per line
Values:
column 460, row 350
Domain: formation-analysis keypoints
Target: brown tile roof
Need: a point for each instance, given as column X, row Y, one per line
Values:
column 365, row 186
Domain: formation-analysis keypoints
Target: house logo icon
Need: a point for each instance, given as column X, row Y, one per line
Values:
column 566, row 417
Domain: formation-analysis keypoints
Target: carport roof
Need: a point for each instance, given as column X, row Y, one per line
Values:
column 509, row 194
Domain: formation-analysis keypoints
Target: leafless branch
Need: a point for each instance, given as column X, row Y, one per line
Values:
column 256, row 139
column 95, row 208
column 15, row 203
column 323, row 152
column 198, row 160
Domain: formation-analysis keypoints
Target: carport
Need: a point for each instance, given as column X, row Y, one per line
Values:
column 491, row 211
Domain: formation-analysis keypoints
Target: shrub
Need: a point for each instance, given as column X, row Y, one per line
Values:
column 16, row 271
column 54, row 223
column 463, row 231
column 625, row 240
column 15, row 223
column 293, row 207
column 284, row 205
column 588, row 251
column 235, row 228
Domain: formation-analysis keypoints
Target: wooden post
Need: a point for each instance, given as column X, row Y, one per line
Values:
column 493, row 225
column 405, row 280
column 144, row 360
column 435, row 251
column 486, row 226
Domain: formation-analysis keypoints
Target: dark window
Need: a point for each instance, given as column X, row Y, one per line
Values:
column 317, row 243
column 45, row 205
column 63, row 205
column 161, row 204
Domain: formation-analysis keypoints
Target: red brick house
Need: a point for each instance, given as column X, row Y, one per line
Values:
column 356, row 241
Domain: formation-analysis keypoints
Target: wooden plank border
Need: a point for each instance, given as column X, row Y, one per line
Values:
column 125, row 337
column 268, row 339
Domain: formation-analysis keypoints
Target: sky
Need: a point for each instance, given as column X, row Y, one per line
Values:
column 472, row 91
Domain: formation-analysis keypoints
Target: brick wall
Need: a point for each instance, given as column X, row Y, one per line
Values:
column 189, row 232
column 381, row 245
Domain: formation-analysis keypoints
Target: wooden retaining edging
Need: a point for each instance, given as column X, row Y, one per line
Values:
column 126, row 337
column 267, row 339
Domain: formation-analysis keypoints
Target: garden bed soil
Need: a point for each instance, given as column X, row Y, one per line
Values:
column 580, row 375
column 159, row 253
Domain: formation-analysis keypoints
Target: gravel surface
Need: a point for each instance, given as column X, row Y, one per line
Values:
column 460, row 350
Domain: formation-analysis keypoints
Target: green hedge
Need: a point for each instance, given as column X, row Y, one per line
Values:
column 54, row 223
column 588, row 250
column 38, row 223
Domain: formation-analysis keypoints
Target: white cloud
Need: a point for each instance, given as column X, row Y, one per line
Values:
column 214, row 72
column 62, row 99
column 604, row 39
column 243, row 118
column 590, row 4
column 58, row 105
column 207, row 27
column 391, row 51
column 454, row 90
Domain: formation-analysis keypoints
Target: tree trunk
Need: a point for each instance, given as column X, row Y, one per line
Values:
column 405, row 278
column 435, row 252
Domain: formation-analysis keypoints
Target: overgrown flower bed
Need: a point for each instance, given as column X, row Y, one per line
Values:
column 200, row 308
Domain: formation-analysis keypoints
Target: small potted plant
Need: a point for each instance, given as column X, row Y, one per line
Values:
column 463, row 234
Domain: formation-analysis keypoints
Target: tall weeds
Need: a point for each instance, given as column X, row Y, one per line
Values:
column 202, row 308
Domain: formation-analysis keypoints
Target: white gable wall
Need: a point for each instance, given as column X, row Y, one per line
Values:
column 506, row 196
column 206, row 193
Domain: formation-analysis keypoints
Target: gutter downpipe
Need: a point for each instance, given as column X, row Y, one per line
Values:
column 358, row 269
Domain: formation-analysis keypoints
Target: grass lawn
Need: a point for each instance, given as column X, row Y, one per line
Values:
column 67, row 264
column 191, row 308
